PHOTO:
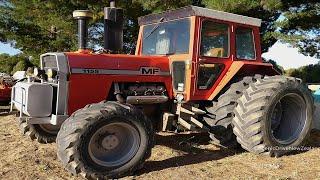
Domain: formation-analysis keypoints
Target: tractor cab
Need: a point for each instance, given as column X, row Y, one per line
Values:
column 206, row 48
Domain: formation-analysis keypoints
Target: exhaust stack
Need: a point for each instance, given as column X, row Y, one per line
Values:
column 113, row 28
column 82, row 16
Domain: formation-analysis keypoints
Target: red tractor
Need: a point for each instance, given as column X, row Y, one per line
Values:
column 195, row 69
column 6, row 83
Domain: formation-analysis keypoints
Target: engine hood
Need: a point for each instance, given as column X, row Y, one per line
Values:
column 80, row 62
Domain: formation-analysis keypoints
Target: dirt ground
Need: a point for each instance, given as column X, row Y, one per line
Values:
column 174, row 157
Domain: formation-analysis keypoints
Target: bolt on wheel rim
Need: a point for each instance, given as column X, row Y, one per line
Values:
column 288, row 118
column 114, row 144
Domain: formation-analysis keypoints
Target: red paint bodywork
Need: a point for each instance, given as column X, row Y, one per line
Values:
column 250, row 67
column 5, row 93
column 90, row 88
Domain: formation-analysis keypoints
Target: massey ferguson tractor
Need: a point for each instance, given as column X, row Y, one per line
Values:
column 194, row 69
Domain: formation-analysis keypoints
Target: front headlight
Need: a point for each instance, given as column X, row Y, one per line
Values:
column 38, row 72
column 35, row 72
column 51, row 73
column 29, row 72
column 179, row 97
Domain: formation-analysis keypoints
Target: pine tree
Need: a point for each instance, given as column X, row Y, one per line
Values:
column 36, row 26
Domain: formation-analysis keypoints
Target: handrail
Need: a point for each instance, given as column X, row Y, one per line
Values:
column 13, row 101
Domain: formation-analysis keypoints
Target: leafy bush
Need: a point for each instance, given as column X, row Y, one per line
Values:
column 20, row 66
column 309, row 74
column 11, row 64
column 276, row 66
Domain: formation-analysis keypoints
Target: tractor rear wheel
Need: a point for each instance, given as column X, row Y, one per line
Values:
column 43, row 133
column 274, row 116
column 105, row 140
column 220, row 114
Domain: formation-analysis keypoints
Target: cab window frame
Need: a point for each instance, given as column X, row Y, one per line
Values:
column 253, row 41
column 229, row 37
column 189, row 50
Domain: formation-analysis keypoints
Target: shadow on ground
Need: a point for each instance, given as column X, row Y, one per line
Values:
column 192, row 151
column 4, row 110
column 314, row 140
column 191, row 148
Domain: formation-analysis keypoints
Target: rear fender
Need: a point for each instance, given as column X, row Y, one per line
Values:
column 250, row 69
column 242, row 69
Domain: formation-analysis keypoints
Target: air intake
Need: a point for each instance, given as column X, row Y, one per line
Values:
column 83, row 16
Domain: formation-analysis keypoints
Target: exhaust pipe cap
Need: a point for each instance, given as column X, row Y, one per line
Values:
column 82, row 14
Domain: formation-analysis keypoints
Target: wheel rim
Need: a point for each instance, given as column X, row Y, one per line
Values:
column 114, row 144
column 49, row 128
column 288, row 118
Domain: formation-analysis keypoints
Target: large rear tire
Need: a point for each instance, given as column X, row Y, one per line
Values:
column 43, row 133
column 220, row 114
column 105, row 140
column 274, row 116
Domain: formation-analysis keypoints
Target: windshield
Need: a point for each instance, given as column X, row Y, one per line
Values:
column 166, row 38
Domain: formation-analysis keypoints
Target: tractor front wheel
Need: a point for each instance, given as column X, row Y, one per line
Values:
column 105, row 140
column 274, row 116
column 43, row 133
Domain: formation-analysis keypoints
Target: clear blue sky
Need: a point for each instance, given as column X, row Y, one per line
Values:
column 6, row 48
column 283, row 54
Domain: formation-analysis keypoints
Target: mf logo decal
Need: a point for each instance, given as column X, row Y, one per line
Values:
column 150, row 70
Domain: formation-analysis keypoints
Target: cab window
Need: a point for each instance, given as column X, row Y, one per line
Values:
column 214, row 39
column 245, row 44
column 167, row 38
column 208, row 74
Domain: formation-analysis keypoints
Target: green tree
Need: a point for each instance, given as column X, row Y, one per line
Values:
column 37, row 26
column 300, row 25
column 276, row 66
column 11, row 64
column 22, row 65
column 7, row 63
column 293, row 21
column 309, row 74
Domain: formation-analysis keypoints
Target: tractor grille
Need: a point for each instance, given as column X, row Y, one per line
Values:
column 59, row 81
column 49, row 62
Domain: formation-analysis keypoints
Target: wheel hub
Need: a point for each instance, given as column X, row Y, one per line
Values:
column 110, row 142
column 288, row 118
column 114, row 144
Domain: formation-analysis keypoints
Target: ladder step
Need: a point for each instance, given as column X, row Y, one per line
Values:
column 182, row 109
column 186, row 124
column 189, row 109
column 198, row 123
column 167, row 121
column 197, row 111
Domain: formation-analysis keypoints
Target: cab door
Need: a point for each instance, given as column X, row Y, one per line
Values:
column 214, row 56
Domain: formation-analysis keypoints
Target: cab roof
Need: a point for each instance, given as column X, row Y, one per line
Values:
column 199, row 11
